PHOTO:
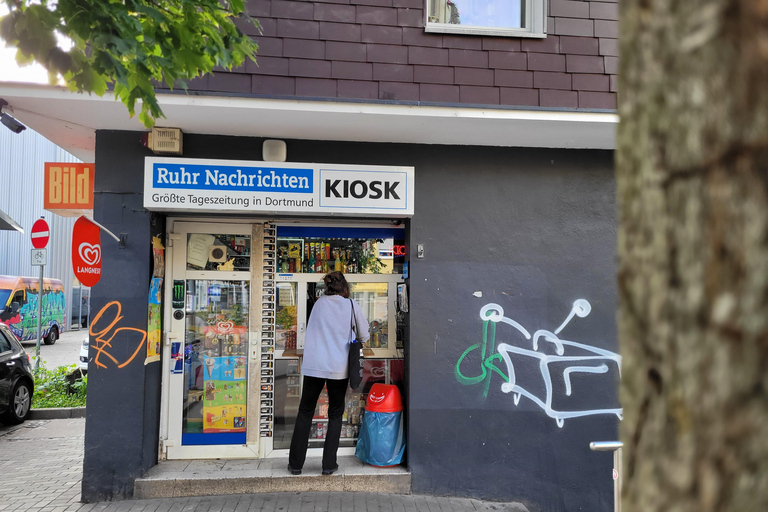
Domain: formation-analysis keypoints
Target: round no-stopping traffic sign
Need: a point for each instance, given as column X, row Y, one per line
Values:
column 40, row 234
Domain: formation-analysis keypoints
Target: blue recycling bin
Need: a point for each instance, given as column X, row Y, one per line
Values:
column 381, row 441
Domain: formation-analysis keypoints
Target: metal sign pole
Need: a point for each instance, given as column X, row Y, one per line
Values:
column 39, row 235
column 39, row 317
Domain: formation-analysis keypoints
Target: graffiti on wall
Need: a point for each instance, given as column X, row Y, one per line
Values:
column 118, row 355
column 570, row 359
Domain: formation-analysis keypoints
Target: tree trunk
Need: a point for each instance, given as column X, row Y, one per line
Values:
column 692, row 175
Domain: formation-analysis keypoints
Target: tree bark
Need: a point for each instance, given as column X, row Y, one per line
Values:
column 692, row 178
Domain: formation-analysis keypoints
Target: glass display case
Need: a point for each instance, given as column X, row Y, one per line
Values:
column 375, row 289
column 288, row 392
column 309, row 250
column 373, row 299
column 286, row 311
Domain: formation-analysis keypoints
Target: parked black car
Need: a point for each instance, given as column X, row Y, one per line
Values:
column 16, row 381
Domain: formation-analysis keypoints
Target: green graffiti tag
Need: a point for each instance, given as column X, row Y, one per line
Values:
column 487, row 364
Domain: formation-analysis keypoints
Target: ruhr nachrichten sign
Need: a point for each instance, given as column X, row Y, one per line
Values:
column 233, row 186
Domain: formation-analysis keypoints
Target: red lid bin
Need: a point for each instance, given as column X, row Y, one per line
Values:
column 384, row 398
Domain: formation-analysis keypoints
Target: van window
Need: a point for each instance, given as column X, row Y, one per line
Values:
column 4, row 294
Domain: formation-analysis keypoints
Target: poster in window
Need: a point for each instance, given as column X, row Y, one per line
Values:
column 224, row 396
column 155, row 302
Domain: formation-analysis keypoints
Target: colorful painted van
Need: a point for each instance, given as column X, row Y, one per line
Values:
column 18, row 307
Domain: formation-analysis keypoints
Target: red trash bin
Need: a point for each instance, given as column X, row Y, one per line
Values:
column 384, row 398
column 381, row 442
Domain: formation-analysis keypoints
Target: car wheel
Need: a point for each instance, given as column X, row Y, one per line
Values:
column 53, row 335
column 21, row 402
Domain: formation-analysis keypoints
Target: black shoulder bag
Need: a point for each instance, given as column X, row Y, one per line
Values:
column 355, row 359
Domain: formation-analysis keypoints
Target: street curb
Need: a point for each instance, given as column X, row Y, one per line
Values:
column 57, row 413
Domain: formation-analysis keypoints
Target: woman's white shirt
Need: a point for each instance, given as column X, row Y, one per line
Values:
column 326, row 344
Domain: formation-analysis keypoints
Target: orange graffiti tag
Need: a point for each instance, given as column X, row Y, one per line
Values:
column 102, row 343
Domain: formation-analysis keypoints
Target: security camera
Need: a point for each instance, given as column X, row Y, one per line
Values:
column 11, row 123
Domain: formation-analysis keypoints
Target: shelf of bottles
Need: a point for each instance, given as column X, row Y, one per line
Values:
column 315, row 255
column 267, row 376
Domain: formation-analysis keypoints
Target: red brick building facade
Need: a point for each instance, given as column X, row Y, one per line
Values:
column 378, row 50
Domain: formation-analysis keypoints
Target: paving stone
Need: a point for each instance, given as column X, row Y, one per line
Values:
column 56, row 463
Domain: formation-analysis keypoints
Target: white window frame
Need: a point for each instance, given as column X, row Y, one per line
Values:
column 535, row 23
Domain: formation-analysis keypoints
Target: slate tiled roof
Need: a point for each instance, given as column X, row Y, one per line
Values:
column 378, row 50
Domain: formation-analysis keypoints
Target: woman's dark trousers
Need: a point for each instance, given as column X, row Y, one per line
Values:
column 337, row 389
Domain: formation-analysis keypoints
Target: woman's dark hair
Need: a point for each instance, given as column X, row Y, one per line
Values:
column 336, row 284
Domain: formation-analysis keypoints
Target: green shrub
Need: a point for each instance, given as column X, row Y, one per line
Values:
column 62, row 387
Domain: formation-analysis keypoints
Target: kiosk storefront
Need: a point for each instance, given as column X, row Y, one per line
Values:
column 247, row 246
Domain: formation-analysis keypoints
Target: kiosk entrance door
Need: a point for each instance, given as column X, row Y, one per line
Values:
column 209, row 334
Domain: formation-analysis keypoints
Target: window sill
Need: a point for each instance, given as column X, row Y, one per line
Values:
column 446, row 28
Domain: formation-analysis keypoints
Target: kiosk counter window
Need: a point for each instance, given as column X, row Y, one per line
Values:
column 372, row 261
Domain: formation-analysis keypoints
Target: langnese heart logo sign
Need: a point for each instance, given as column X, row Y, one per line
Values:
column 226, row 326
column 91, row 254
column 86, row 251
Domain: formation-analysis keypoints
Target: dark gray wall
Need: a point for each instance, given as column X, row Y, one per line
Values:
column 122, row 417
column 533, row 230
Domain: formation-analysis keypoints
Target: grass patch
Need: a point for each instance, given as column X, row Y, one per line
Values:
column 61, row 387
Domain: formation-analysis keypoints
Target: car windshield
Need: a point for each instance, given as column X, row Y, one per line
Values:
column 4, row 294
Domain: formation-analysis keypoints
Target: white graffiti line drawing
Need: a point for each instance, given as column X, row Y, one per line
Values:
column 91, row 254
column 599, row 358
column 495, row 313
column 603, row 368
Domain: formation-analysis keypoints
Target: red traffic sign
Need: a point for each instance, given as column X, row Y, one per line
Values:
column 40, row 234
column 86, row 251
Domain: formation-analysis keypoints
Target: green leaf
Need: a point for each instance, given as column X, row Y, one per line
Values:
column 128, row 44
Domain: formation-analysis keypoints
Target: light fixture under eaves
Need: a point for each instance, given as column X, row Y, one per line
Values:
column 273, row 150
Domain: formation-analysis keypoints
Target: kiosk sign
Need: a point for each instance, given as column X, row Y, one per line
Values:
column 86, row 251
column 232, row 186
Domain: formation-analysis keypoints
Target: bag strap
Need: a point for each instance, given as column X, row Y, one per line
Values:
column 353, row 320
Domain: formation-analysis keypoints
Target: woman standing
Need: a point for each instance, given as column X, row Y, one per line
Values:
column 326, row 348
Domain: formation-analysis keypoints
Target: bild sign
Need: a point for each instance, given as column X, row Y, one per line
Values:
column 233, row 186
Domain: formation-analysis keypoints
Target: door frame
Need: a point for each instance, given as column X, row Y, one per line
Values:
column 174, row 330
column 256, row 446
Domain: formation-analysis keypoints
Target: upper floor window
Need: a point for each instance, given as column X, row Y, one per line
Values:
column 516, row 18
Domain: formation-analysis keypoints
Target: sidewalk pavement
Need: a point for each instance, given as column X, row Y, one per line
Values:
column 305, row 502
column 41, row 466
column 41, row 463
